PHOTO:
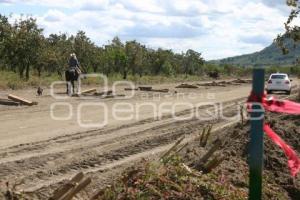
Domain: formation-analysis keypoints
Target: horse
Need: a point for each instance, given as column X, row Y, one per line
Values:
column 71, row 76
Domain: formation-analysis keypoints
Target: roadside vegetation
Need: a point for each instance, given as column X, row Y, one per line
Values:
column 178, row 175
column 28, row 59
column 25, row 51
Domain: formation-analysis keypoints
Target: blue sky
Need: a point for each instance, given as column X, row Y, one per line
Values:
column 216, row 28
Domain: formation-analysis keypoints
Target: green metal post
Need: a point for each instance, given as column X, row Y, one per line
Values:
column 256, row 138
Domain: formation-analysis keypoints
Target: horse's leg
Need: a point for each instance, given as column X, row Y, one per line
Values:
column 67, row 76
column 73, row 86
column 67, row 87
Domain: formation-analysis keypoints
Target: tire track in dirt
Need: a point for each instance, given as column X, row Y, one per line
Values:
column 105, row 174
column 37, row 169
column 44, row 170
column 72, row 141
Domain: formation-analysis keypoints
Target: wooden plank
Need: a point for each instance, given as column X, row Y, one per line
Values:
column 21, row 100
column 64, row 189
column 8, row 102
column 97, row 194
column 109, row 92
column 184, row 85
column 160, row 90
column 145, row 88
column 83, row 184
column 214, row 83
column 89, row 91
column 242, row 81
column 130, row 89
column 114, row 96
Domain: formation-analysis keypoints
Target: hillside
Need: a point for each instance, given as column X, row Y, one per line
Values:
column 271, row 55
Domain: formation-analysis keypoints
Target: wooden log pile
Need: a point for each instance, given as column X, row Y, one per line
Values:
column 213, row 83
column 160, row 90
column 21, row 100
column 242, row 81
column 130, row 89
column 185, row 85
column 224, row 83
column 13, row 100
column 105, row 93
column 8, row 102
column 145, row 88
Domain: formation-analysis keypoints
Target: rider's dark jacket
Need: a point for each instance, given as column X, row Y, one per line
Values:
column 73, row 63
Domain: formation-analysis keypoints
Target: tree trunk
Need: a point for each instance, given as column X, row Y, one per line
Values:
column 39, row 71
column 22, row 72
column 133, row 71
column 95, row 69
column 59, row 73
column 125, row 74
column 27, row 72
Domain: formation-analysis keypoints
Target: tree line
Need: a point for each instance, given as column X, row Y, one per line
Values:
column 24, row 49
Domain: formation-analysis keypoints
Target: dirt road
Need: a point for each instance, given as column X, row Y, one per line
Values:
column 42, row 152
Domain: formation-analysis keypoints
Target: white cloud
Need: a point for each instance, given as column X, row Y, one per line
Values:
column 216, row 28
column 54, row 16
column 94, row 5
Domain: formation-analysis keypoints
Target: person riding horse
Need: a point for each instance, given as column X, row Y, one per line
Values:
column 73, row 72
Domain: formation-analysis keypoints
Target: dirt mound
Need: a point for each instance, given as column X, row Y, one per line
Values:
column 229, row 180
column 276, row 173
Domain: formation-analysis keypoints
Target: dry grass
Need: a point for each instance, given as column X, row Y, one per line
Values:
column 11, row 80
column 171, row 180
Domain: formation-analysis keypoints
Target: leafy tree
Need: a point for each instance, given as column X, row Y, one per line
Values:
column 23, row 48
column 167, row 68
column 135, row 53
column 57, row 51
column 193, row 62
column 83, row 48
column 292, row 30
column 25, row 45
column 5, row 31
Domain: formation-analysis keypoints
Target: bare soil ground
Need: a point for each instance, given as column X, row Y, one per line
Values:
column 41, row 152
column 277, row 180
